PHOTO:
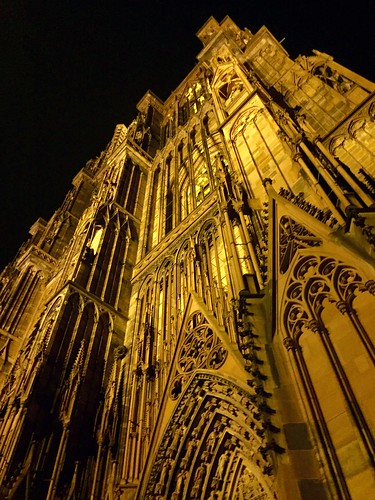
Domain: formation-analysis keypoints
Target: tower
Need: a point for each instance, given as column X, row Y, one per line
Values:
column 196, row 319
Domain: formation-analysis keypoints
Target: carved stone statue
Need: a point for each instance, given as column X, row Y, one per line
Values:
column 167, row 465
column 221, row 466
column 179, row 485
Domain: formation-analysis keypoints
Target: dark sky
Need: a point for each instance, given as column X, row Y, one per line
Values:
column 72, row 69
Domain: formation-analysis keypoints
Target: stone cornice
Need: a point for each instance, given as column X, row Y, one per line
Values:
column 141, row 156
column 38, row 257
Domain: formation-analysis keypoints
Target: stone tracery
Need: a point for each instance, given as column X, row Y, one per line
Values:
column 315, row 282
column 201, row 348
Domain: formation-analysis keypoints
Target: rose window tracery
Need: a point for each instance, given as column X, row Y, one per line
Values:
column 201, row 349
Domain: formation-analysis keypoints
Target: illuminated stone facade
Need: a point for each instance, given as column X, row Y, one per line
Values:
column 196, row 321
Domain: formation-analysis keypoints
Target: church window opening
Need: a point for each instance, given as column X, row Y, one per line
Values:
column 169, row 210
column 164, row 311
column 94, row 245
column 180, row 151
column 202, row 183
column 185, row 278
column 168, row 130
column 124, row 182
column 183, row 113
column 185, row 198
column 193, row 135
column 214, row 264
column 205, row 125
column 169, row 198
column 195, row 97
column 154, row 212
column 231, row 89
column 128, row 187
column 133, row 191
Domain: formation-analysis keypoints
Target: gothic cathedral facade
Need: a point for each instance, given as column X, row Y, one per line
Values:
column 197, row 319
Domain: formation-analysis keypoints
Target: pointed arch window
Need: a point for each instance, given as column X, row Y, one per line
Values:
column 185, row 198
column 195, row 97
column 169, row 129
column 153, row 231
column 96, row 239
column 64, row 332
column 183, row 113
column 193, row 136
column 128, row 188
column 214, row 265
column 107, row 268
column 185, row 278
column 133, row 191
column 180, row 151
column 165, row 312
column 169, row 210
column 169, row 196
column 230, row 89
column 201, row 183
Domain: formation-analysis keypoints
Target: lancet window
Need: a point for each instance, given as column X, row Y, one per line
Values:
column 184, row 198
column 96, row 239
column 183, row 113
column 155, row 339
column 64, row 334
column 195, row 97
column 206, row 124
column 18, row 295
column 105, row 255
column 169, row 129
column 96, row 343
column 145, row 315
column 185, row 275
column 193, row 136
column 153, row 232
column 180, row 152
column 133, row 191
column 127, row 192
column 81, row 395
column 201, row 182
column 169, row 196
column 166, row 313
column 77, row 353
column 230, row 89
column 185, row 195
column 213, row 262
column 322, row 315
column 83, row 332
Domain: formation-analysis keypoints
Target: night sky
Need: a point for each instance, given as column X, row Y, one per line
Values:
column 72, row 69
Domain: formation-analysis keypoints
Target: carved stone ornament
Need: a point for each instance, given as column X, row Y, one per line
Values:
column 292, row 237
column 314, row 281
column 201, row 349
column 120, row 352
